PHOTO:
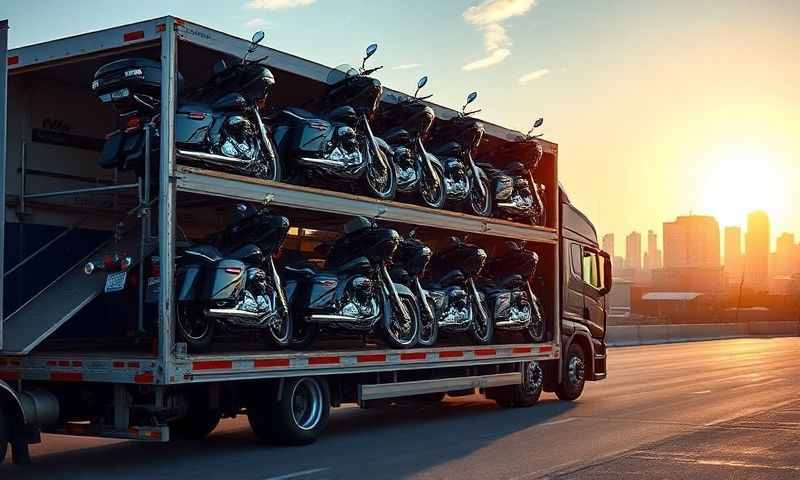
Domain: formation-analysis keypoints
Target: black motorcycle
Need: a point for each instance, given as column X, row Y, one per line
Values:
column 452, row 294
column 507, row 287
column 337, row 146
column 406, row 124
column 354, row 292
column 217, row 125
column 517, row 196
column 409, row 265
column 453, row 143
column 231, row 281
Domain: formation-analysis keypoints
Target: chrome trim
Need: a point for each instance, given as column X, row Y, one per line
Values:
column 214, row 159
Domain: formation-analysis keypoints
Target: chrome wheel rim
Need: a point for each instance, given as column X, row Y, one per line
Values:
column 576, row 370
column 432, row 189
column 533, row 378
column 403, row 329
column 194, row 325
column 307, row 403
column 480, row 203
column 379, row 181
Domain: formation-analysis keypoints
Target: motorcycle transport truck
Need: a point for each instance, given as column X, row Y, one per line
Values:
column 94, row 338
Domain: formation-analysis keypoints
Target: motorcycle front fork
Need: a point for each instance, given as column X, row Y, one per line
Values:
column 373, row 144
column 423, row 300
column 425, row 160
column 391, row 291
column 265, row 136
column 476, row 297
column 276, row 281
column 476, row 176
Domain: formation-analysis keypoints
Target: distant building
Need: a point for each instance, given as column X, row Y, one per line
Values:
column 733, row 254
column 691, row 242
column 608, row 244
column 652, row 258
column 633, row 251
column 756, row 263
column 786, row 259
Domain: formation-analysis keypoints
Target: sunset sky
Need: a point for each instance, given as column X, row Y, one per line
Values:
column 659, row 108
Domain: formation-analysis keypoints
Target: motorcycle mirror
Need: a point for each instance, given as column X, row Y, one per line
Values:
column 421, row 83
column 89, row 268
column 370, row 51
column 470, row 98
column 258, row 37
column 538, row 123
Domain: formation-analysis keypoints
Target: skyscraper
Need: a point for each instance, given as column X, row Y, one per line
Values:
column 652, row 258
column 633, row 251
column 608, row 244
column 691, row 242
column 733, row 254
column 756, row 264
column 786, row 256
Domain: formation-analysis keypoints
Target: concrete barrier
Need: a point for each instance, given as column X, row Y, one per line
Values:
column 625, row 335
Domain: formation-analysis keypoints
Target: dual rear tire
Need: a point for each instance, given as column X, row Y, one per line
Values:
column 294, row 412
column 523, row 395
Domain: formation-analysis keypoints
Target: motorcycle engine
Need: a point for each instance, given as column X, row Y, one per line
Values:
column 455, row 179
column 359, row 301
column 344, row 146
column 406, row 171
column 258, row 296
column 522, row 197
column 238, row 138
column 458, row 309
column 520, row 310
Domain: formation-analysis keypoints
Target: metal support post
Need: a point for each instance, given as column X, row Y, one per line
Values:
column 144, row 217
column 3, row 134
column 166, row 200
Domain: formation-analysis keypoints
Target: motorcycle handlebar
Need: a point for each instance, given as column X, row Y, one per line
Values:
column 370, row 71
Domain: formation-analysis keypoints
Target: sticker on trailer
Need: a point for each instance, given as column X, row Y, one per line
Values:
column 115, row 281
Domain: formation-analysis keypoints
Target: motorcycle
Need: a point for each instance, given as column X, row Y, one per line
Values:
column 516, row 193
column 217, row 126
column 409, row 264
column 452, row 294
column 418, row 172
column 354, row 292
column 454, row 142
column 507, row 287
column 338, row 146
column 231, row 281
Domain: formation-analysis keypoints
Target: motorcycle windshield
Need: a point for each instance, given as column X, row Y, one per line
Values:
column 342, row 72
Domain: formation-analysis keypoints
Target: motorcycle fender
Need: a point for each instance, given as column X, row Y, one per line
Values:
column 435, row 160
column 226, row 280
column 403, row 290
column 383, row 145
column 312, row 137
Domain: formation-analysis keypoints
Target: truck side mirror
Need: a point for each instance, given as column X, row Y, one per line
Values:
column 605, row 258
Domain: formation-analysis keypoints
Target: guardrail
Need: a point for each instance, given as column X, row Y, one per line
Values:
column 625, row 335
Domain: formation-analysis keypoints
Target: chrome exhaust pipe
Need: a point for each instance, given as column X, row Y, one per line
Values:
column 324, row 318
column 212, row 158
column 512, row 324
column 232, row 312
column 320, row 161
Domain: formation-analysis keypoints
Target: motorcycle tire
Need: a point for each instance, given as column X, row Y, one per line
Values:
column 194, row 328
column 481, row 334
column 539, row 218
column 534, row 333
column 485, row 208
column 441, row 195
column 282, row 338
column 275, row 171
column 405, row 339
column 428, row 330
column 303, row 335
column 388, row 191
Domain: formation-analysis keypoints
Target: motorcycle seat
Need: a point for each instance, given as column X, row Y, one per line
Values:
column 345, row 114
column 396, row 135
column 449, row 149
column 203, row 253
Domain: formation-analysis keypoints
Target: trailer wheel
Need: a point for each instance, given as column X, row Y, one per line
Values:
column 195, row 426
column 524, row 395
column 5, row 436
column 574, row 378
column 297, row 417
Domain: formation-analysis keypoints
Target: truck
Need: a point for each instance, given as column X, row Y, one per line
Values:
column 72, row 361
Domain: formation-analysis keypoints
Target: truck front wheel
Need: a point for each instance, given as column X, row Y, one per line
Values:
column 574, row 378
column 297, row 417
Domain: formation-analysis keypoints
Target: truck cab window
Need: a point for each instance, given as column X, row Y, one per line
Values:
column 591, row 273
column 575, row 254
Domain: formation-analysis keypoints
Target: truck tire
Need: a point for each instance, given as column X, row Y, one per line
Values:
column 524, row 395
column 5, row 435
column 574, row 378
column 299, row 415
column 195, row 426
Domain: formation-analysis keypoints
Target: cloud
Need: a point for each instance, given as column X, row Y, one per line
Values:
column 276, row 4
column 255, row 22
column 495, row 11
column 407, row 66
column 494, row 58
column 534, row 75
column 487, row 17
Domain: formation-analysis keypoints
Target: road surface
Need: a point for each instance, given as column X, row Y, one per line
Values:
column 710, row 410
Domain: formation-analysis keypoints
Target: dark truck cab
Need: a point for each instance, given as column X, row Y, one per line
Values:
column 585, row 282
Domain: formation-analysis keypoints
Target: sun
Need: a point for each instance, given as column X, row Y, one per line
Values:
column 741, row 178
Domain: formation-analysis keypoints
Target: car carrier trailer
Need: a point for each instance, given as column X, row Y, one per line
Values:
column 69, row 364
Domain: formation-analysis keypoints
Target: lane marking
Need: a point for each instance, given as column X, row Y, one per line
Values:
column 563, row 420
column 701, row 392
column 301, row 473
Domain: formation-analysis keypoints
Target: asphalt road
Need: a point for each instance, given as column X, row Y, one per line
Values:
column 707, row 410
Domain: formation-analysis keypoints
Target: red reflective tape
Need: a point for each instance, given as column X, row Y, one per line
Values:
column 133, row 364
column 154, row 434
column 323, row 361
column 545, row 349
column 453, row 354
column 378, row 357
column 271, row 362
column 485, row 352
column 119, row 364
column 131, row 36
column 66, row 376
column 212, row 365
column 413, row 356
column 161, row 27
column 146, row 377
column 10, row 376
column 521, row 350
column 13, row 60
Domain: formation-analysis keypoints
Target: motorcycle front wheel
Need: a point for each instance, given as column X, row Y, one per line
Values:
column 399, row 332
column 534, row 333
column 193, row 327
column 482, row 329
column 480, row 204
column 269, row 168
column 433, row 191
column 428, row 328
column 279, row 333
column 380, row 177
